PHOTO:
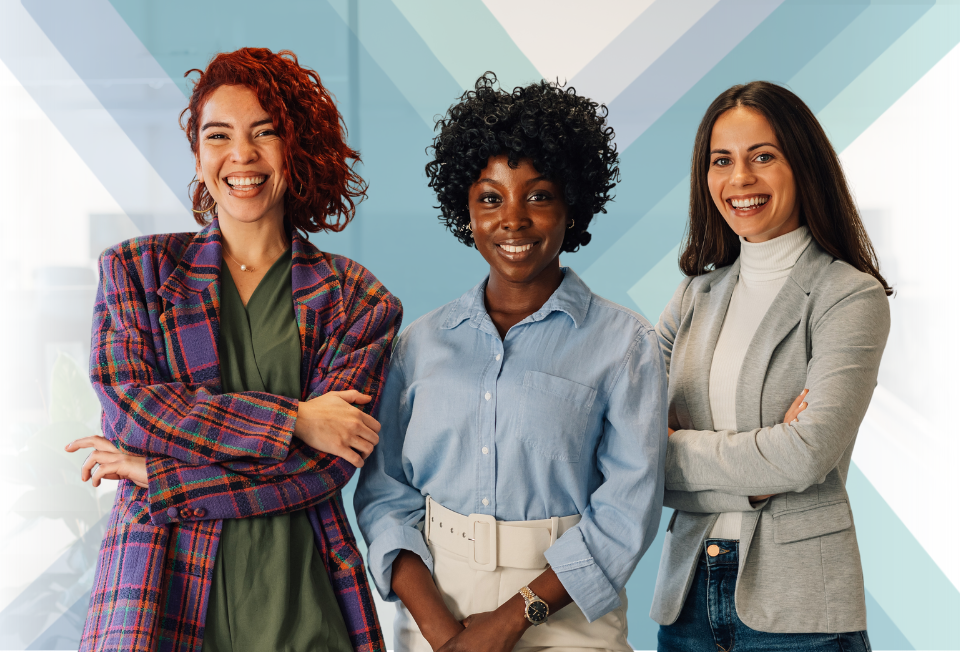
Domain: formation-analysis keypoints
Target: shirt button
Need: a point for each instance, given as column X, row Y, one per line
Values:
column 485, row 501
column 485, row 450
column 172, row 512
column 498, row 357
column 185, row 512
column 199, row 512
column 487, row 396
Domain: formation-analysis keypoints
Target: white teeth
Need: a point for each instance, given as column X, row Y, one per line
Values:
column 510, row 249
column 749, row 202
column 245, row 181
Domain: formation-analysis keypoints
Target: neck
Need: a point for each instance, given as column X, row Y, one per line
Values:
column 509, row 302
column 253, row 243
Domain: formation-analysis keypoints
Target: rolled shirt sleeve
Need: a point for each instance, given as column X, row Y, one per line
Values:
column 388, row 508
column 565, row 415
column 594, row 559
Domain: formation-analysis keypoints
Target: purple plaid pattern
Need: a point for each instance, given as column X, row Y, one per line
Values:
column 210, row 455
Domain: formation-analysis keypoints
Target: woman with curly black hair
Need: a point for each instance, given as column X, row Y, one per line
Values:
column 520, row 464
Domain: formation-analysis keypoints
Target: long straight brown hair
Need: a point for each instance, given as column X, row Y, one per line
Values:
column 826, row 204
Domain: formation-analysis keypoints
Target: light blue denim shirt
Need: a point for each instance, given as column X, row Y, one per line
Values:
column 565, row 415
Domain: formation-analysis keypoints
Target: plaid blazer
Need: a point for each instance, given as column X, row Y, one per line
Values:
column 210, row 456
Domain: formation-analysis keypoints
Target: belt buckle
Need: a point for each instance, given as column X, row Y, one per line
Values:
column 472, row 562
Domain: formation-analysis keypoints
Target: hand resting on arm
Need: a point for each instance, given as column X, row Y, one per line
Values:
column 327, row 423
column 792, row 415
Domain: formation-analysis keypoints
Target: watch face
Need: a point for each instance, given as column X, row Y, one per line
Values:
column 537, row 611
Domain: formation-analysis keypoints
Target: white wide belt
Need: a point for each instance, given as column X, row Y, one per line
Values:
column 488, row 543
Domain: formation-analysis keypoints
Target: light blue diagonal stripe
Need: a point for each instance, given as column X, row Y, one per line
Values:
column 871, row 76
column 105, row 147
column 836, row 67
column 638, row 46
column 403, row 55
column 893, row 72
column 659, row 158
column 900, row 574
column 691, row 57
column 468, row 40
column 126, row 80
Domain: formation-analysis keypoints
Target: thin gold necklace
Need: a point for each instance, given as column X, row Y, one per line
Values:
column 248, row 268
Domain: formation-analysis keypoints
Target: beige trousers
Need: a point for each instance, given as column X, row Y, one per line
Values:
column 468, row 591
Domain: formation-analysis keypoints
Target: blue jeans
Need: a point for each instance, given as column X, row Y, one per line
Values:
column 708, row 621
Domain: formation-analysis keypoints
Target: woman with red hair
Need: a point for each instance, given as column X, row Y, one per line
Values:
column 238, row 369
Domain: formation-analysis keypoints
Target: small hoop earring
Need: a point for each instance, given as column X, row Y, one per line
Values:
column 469, row 227
column 572, row 222
column 206, row 210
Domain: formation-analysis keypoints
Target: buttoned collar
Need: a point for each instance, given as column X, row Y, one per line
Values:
column 572, row 297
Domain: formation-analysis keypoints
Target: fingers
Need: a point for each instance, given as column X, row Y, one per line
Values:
column 351, row 396
column 798, row 406
column 351, row 456
column 98, row 457
column 796, row 401
column 94, row 441
column 107, row 471
column 362, row 446
column 370, row 422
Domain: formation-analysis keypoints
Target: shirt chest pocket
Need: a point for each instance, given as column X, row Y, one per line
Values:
column 553, row 415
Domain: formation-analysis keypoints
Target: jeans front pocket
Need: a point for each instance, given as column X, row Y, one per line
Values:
column 553, row 415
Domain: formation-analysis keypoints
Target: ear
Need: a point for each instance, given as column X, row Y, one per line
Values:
column 199, row 169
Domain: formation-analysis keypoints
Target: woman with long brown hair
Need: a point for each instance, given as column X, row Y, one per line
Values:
column 773, row 344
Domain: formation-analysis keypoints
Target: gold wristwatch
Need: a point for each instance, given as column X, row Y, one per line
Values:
column 536, row 610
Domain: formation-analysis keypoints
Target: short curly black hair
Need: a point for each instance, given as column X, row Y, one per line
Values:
column 564, row 135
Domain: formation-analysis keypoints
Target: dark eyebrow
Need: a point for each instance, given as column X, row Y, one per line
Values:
column 227, row 125
column 749, row 149
column 497, row 183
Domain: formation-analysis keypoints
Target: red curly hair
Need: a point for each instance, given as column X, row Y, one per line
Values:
column 321, row 183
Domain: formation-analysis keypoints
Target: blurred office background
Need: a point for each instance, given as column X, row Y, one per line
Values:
column 90, row 93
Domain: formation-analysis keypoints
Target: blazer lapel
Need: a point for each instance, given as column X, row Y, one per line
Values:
column 782, row 317
column 190, row 321
column 318, row 306
column 709, row 310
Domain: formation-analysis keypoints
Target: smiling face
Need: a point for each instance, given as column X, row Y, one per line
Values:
column 749, row 178
column 240, row 157
column 518, row 219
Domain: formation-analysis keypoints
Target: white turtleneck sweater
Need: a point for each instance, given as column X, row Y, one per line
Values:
column 764, row 267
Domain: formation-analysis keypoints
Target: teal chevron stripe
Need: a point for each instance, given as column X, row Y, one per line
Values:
column 640, row 252
column 468, row 40
column 657, row 160
column 403, row 55
column 892, row 74
column 883, row 632
column 654, row 290
column 638, row 46
column 879, row 56
column 899, row 573
column 853, row 51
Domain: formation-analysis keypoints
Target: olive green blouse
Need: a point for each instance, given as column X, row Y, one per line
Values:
column 270, row 588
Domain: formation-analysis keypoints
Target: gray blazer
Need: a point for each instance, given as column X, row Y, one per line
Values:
column 799, row 561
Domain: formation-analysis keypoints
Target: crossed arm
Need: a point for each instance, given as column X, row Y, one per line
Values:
column 245, row 454
column 711, row 472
